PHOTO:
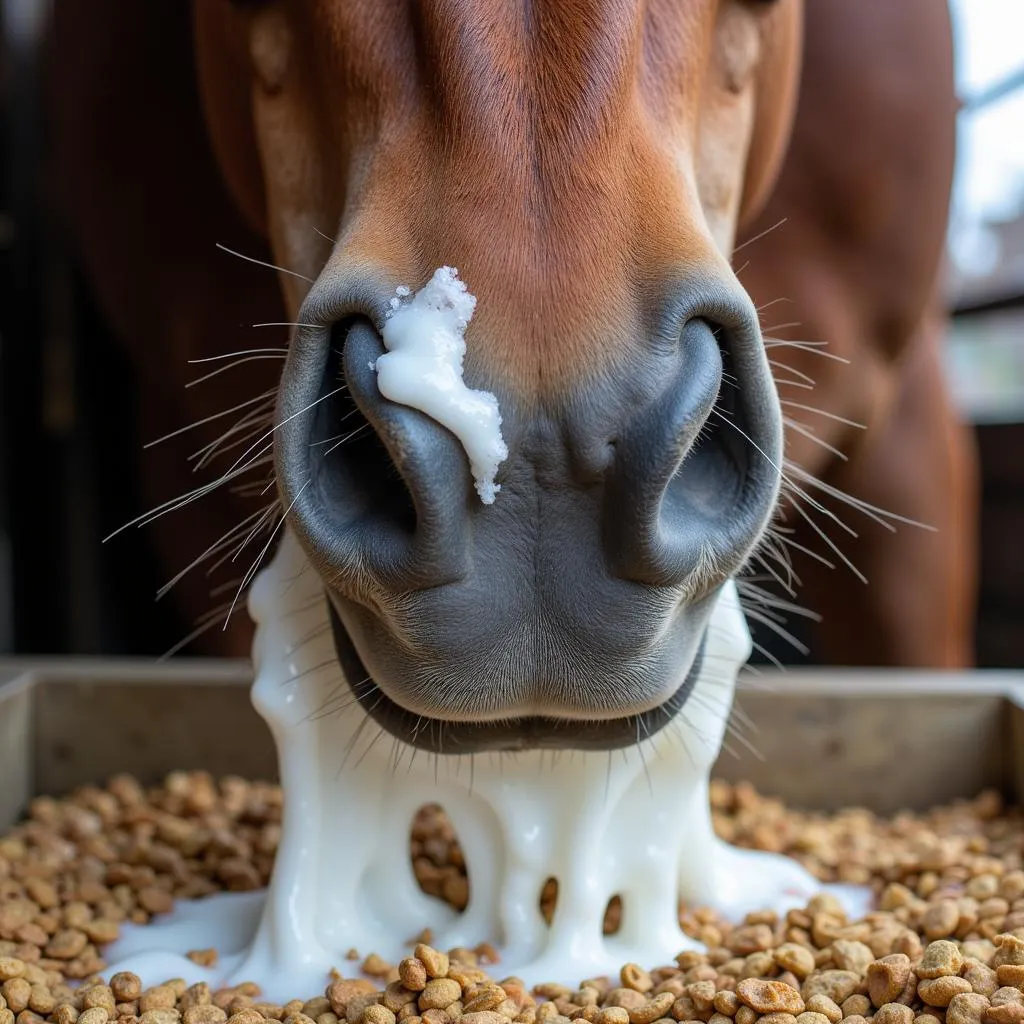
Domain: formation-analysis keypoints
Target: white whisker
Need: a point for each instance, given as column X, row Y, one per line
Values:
column 822, row 412
column 263, row 263
column 184, row 499
column 225, row 540
column 808, row 432
column 827, row 539
column 759, row 236
column 796, row 373
column 813, row 347
column 873, row 512
column 254, row 568
column 348, row 437
column 210, row 419
column 240, row 352
column 285, row 323
column 288, row 419
column 773, row 302
column 231, row 366
column 246, row 428
column 205, row 623
column 790, row 543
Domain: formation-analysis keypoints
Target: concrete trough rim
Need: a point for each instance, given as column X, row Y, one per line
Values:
column 832, row 682
column 885, row 739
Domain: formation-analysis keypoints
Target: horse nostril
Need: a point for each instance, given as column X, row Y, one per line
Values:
column 349, row 461
column 696, row 474
column 376, row 488
column 718, row 458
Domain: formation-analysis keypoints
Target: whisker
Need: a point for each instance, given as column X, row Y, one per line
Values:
column 770, row 548
column 822, row 412
column 284, row 323
column 263, row 263
column 351, row 745
column 790, row 486
column 308, row 637
column 786, row 584
column 373, row 743
column 328, row 440
column 808, row 432
column 240, row 352
column 347, row 437
column 224, row 540
column 246, row 427
column 773, row 302
column 781, row 327
column 813, row 347
column 206, row 622
column 271, row 511
column 288, row 419
column 873, row 512
column 744, row 718
column 266, row 520
column 758, row 237
column 790, row 543
column 254, row 568
column 789, row 482
column 767, row 655
column 827, row 539
column 224, row 588
column 230, row 366
column 766, row 598
column 182, row 500
column 774, row 626
column 209, row 419
column 796, row 373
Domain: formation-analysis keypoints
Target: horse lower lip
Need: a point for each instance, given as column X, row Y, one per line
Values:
column 439, row 736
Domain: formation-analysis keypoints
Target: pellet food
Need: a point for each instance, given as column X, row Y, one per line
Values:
column 945, row 946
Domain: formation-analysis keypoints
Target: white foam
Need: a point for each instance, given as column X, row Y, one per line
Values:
column 424, row 335
column 635, row 823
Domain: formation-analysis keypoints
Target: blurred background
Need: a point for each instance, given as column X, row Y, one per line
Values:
column 66, row 419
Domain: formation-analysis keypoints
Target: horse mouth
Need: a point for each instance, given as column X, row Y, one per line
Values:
column 440, row 736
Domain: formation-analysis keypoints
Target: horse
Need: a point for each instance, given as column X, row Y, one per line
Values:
column 706, row 241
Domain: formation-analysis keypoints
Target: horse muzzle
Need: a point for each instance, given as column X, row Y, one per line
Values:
column 572, row 612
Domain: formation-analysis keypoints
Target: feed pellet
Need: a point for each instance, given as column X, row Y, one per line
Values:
column 944, row 946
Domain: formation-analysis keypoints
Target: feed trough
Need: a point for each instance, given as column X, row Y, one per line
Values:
column 824, row 741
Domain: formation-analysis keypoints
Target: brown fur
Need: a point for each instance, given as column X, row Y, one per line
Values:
column 574, row 134
column 864, row 196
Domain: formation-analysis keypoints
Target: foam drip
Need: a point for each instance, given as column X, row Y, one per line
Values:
column 635, row 823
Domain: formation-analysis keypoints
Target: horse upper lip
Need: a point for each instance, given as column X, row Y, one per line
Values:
column 510, row 732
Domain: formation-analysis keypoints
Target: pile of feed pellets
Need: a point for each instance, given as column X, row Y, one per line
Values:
column 944, row 946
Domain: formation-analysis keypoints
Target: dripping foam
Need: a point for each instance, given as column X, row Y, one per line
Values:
column 636, row 825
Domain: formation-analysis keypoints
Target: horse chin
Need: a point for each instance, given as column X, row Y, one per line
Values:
column 439, row 735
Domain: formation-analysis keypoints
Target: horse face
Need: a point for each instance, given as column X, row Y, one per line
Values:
column 584, row 165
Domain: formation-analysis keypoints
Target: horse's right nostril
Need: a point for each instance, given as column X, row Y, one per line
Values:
column 696, row 474
column 351, row 465
column 378, row 489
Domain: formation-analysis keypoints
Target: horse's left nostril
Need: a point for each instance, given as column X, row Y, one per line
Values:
column 696, row 473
